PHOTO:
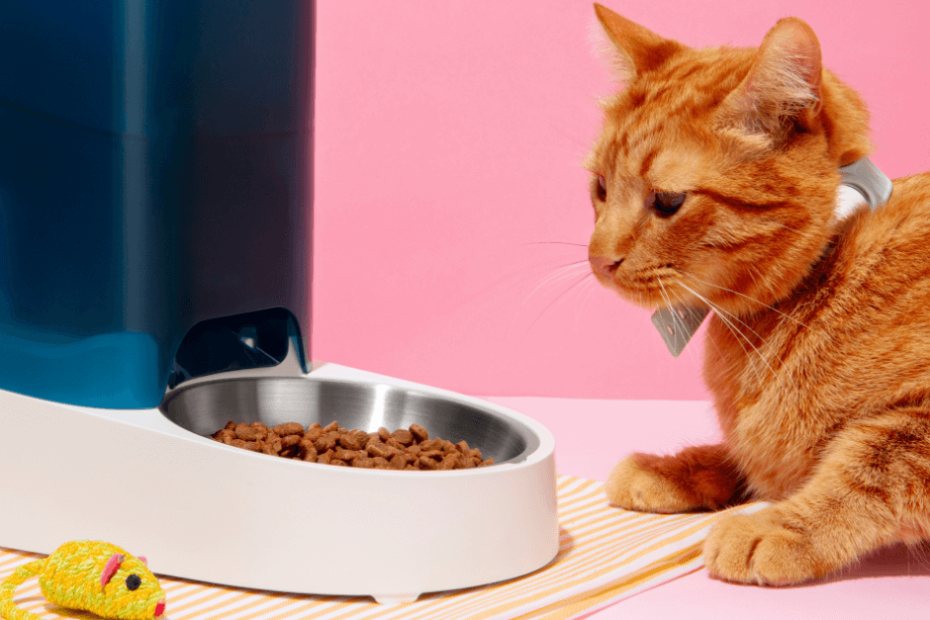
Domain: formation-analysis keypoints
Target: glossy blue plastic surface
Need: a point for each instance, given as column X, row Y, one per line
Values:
column 153, row 162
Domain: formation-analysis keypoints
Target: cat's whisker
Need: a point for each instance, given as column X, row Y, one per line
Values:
column 737, row 334
column 668, row 301
column 733, row 329
column 680, row 301
column 765, row 286
column 562, row 273
column 722, row 314
column 590, row 288
column 784, row 226
column 764, row 342
column 573, row 139
column 560, row 296
column 559, row 274
column 580, row 245
column 679, row 323
column 723, row 288
column 521, row 273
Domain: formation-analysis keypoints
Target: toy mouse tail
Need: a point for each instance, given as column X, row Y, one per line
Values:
column 9, row 611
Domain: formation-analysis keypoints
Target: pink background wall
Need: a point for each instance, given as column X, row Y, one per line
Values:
column 449, row 136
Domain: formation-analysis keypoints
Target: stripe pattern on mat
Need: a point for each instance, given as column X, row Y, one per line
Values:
column 606, row 554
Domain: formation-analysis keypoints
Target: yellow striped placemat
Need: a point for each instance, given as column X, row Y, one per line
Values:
column 606, row 554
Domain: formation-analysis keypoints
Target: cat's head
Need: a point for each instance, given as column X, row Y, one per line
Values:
column 717, row 168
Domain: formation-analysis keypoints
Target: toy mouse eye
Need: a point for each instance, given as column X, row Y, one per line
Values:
column 133, row 582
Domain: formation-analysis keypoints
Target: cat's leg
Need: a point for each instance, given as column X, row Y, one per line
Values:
column 697, row 478
column 871, row 488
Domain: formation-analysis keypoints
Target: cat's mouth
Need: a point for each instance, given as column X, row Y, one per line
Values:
column 654, row 293
column 650, row 290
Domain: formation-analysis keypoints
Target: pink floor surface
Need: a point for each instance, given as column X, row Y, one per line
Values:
column 894, row 583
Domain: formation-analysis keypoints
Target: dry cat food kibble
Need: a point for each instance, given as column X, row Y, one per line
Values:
column 407, row 449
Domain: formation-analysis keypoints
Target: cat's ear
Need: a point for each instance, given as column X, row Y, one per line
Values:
column 641, row 50
column 784, row 83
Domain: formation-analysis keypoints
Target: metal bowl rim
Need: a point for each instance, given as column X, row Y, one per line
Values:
column 528, row 425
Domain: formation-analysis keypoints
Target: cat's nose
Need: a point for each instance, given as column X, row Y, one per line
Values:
column 604, row 265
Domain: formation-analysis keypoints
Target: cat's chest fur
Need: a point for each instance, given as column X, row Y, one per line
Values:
column 852, row 339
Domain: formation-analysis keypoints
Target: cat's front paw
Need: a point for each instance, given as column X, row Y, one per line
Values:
column 764, row 548
column 644, row 482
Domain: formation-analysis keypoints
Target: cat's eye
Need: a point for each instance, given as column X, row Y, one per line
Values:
column 666, row 204
column 601, row 188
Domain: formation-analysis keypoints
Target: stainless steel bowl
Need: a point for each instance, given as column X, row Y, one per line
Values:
column 206, row 407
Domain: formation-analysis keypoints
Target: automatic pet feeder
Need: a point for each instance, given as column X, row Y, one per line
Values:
column 154, row 284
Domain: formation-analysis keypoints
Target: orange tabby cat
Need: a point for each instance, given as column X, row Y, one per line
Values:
column 714, row 182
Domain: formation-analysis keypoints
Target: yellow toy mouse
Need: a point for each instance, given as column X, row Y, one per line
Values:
column 91, row 576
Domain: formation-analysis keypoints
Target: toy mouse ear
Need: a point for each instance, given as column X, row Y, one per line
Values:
column 142, row 559
column 111, row 567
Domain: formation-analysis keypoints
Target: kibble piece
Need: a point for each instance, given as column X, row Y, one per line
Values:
column 487, row 462
column 272, row 447
column 313, row 432
column 306, row 450
column 325, row 457
column 289, row 453
column 382, row 450
column 403, row 436
column 338, row 462
column 289, row 441
column 449, row 462
column 395, row 444
column 398, row 461
column 384, row 434
column 290, row 428
column 326, row 441
column 354, row 440
column 261, row 429
column 462, row 447
column 448, row 447
column 363, row 461
column 225, row 435
column 332, row 426
column 375, row 448
column 346, row 455
column 246, row 432
column 419, row 433
column 431, row 444
column 431, row 454
column 414, row 449
column 245, row 445
column 230, row 426
column 427, row 463
column 381, row 462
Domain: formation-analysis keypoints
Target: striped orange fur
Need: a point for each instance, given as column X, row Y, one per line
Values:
column 818, row 352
